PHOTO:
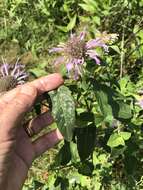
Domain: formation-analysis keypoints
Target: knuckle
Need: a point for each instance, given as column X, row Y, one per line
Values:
column 43, row 84
column 25, row 97
column 28, row 90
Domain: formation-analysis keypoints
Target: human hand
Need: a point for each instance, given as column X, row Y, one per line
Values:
column 17, row 151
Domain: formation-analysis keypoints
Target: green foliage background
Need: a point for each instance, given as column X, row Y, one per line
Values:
column 27, row 30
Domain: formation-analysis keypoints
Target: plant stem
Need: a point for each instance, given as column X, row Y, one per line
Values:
column 122, row 53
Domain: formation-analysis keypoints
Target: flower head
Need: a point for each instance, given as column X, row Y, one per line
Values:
column 12, row 75
column 76, row 50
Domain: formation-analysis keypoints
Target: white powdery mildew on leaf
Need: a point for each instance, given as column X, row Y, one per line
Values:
column 64, row 111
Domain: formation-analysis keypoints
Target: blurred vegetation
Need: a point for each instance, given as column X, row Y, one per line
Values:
column 28, row 29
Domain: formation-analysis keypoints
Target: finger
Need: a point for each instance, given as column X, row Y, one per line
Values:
column 40, row 122
column 26, row 96
column 48, row 83
column 42, row 85
column 7, row 97
column 47, row 141
column 10, row 95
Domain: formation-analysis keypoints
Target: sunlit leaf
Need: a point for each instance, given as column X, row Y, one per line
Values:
column 88, row 8
column 115, row 140
column 74, row 153
column 72, row 23
column 115, row 48
column 125, row 135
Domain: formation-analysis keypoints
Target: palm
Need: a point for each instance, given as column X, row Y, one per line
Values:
column 24, row 151
column 24, row 148
column 22, row 157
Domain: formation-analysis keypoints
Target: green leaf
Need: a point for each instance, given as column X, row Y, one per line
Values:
column 84, row 119
column 74, row 153
column 89, row 5
column 88, row 8
column 104, row 98
column 51, row 180
column 37, row 184
column 86, row 168
column 125, row 135
column 86, row 141
column 91, row 2
column 136, row 29
column 63, row 156
column 123, row 84
column 117, row 151
column 125, row 111
column 111, row 103
column 109, row 119
column 72, row 23
column 62, row 28
column 38, row 72
column 131, row 164
column 61, row 183
column 98, row 119
column 97, row 20
column 63, row 109
column 62, row 70
column 116, row 48
column 115, row 140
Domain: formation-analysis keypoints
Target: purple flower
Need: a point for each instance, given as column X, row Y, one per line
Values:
column 15, row 71
column 76, row 50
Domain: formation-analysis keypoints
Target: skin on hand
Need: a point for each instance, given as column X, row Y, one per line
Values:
column 17, row 151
